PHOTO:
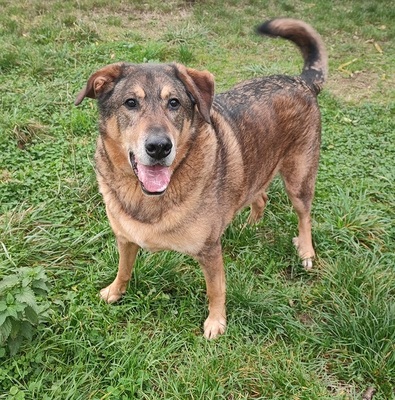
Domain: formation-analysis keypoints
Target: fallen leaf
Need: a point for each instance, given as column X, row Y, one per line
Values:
column 378, row 48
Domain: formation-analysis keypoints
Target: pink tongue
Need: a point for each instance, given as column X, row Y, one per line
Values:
column 155, row 178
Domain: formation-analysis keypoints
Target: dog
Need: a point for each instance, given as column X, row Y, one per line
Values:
column 175, row 163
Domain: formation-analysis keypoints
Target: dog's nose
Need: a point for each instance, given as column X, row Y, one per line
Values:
column 158, row 147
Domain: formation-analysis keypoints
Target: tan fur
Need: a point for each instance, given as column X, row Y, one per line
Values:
column 221, row 153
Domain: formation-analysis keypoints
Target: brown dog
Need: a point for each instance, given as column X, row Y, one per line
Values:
column 175, row 163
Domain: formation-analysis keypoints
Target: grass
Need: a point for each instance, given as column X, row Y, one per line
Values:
column 325, row 334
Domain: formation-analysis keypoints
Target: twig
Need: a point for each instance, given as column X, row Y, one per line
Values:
column 342, row 66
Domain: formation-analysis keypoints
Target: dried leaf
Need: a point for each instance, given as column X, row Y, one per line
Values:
column 378, row 48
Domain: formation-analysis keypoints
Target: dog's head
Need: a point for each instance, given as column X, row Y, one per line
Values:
column 150, row 109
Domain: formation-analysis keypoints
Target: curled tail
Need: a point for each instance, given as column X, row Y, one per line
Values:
column 315, row 68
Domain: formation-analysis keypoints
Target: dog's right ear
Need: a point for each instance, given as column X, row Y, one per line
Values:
column 101, row 81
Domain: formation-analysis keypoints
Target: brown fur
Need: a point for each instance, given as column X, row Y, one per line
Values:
column 225, row 151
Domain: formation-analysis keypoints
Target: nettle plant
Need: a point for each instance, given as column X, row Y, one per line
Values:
column 22, row 306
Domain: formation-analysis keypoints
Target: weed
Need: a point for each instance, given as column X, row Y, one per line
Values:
column 19, row 309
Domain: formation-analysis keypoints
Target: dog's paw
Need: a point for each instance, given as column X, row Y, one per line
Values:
column 111, row 294
column 307, row 264
column 306, row 256
column 214, row 327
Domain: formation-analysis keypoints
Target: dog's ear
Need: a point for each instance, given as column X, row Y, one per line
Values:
column 200, row 84
column 99, row 82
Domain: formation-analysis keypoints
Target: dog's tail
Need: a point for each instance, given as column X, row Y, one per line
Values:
column 315, row 68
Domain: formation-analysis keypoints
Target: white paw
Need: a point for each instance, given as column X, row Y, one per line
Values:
column 110, row 294
column 214, row 327
column 307, row 264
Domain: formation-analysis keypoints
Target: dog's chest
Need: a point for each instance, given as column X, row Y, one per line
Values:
column 162, row 235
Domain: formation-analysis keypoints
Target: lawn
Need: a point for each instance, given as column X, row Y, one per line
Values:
column 328, row 333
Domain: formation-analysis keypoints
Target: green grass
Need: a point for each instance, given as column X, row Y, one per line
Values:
column 325, row 334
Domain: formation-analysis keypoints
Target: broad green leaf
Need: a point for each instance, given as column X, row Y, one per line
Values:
column 7, row 282
column 26, row 271
column 40, row 274
column 14, row 344
column 31, row 315
column 3, row 306
column 27, row 296
column 5, row 330
column 3, row 317
column 26, row 330
column 26, row 281
column 12, row 310
column 15, row 329
column 41, row 285
column 10, row 299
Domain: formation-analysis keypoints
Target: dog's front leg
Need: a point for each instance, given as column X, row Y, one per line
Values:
column 127, row 255
column 213, row 269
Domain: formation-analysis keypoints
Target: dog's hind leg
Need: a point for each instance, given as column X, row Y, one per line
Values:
column 257, row 208
column 127, row 255
column 299, row 181
column 303, row 242
column 212, row 265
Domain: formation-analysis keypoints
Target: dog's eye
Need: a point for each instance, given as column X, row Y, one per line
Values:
column 131, row 103
column 174, row 104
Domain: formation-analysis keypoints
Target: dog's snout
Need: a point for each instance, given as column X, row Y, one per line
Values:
column 158, row 147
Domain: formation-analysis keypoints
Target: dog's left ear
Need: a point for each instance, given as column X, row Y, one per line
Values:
column 99, row 82
column 200, row 84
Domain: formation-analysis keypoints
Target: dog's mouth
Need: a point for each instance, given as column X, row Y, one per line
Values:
column 154, row 179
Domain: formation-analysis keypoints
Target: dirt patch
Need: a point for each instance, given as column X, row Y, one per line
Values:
column 150, row 22
column 360, row 86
